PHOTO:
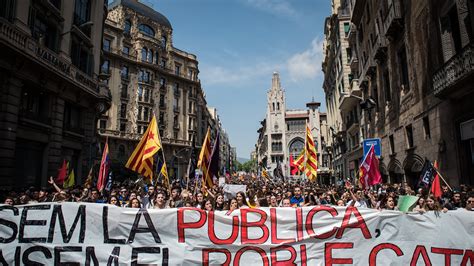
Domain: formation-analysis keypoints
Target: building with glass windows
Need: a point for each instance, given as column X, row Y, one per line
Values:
column 282, row 132
column 149, row 76
column 51, row 95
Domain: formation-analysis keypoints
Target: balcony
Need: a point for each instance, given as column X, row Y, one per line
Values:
column 380, row 48
column 455, row 73
column 352, row 126
column 348, row 101
column 393, row 21
column 354, row 64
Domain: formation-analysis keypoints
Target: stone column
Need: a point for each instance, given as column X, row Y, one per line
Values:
column 56, row 138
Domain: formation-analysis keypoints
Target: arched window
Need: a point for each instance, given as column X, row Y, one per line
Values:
column 156, row 58
column 147, row 30
column 163, row 41
column 128, row 26
column 144, row 54
column 150, row 56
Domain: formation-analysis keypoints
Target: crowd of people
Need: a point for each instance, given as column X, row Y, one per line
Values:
column 258, row 192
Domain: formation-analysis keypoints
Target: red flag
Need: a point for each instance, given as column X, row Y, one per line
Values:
column 369, row 173
column 62, row 173
column 293, row 167
column 436, row 185
column 104, row 167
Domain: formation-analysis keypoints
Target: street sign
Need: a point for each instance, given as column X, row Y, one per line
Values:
column 367, row 143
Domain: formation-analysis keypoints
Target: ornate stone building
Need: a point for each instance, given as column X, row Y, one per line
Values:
column 149, row 76
column 344, row 133
column 413, row 65
column 282, row 132
column 50, row 94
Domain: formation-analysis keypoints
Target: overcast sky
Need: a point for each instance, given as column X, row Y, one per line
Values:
column 240, row 43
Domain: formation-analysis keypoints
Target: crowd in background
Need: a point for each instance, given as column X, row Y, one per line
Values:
column 258, row 193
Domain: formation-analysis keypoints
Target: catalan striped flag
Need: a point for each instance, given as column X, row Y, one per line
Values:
column 265, row 173
column 104, row 167
column 141, row 160
column 164, row 173
column 311, row 165
column 299, row 162
column 204, row 160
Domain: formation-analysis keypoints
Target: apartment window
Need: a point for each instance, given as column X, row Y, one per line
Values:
column 176, row 104
column 402, row 58
column 7, row 9
column 349, row 54
column 175, row 121
column 450, row 33
column 123, row 110
column 34, row 104
column 163, row 63
column 139, row 113
column 147, row 30
column 144, row 54
column 146, row 94
column 162, row 82
column 128, row 26
column 144, row 76
column 177, row 70
column 162, row 100
column 106, row 45
column 140, row 93
column 426, row 127
column 124, row 72
column 386, row 82
column 392, row 144
column 161, row 120
column 43, row 31
column 123, row 91
column 347, row 27
column 176, row 89
column 102, row 123
column 105, row 67
column 123, row 127
column 146, row 112
column 72, row 117
column 81, row 56
column 157, row 58
column 175, row 134
column 163, row 42
column 409, row 135
column 278, row 106
column 126, row 50
column 150, row 56
column 82, row 13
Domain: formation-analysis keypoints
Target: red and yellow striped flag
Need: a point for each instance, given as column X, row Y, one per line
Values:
column 299, row 162
column 141, row 160
column 204, row 159
column 311, row 165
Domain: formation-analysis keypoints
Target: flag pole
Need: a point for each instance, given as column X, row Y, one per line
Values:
column 442, row 178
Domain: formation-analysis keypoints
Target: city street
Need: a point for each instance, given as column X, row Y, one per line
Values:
column 237, row 132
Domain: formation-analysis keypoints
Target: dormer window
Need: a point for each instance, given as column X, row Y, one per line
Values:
column 147, row 30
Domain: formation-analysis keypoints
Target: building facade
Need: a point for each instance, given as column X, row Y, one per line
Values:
column 51, row 95
column 337, row 79
column 149, row 76
column 282, row 132
column 411, row 62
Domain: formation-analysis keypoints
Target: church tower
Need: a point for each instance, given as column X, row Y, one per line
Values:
column 276, row 124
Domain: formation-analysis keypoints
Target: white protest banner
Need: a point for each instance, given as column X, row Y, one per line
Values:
column 96, row 234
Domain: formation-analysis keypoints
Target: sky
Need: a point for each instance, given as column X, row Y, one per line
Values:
column 239, row 44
